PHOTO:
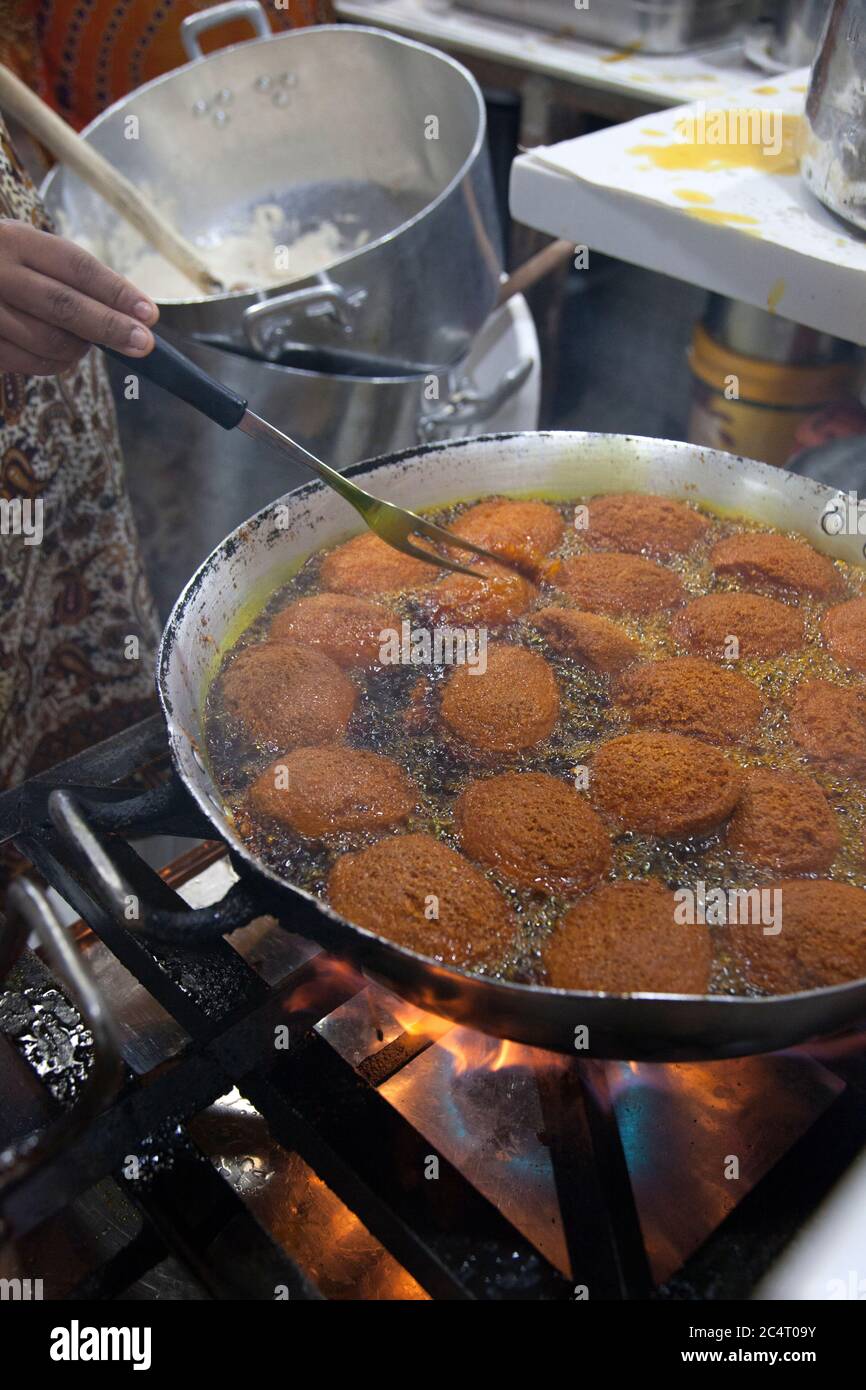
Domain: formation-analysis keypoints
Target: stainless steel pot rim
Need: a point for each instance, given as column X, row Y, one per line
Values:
column 178, row 737
column 379, row 35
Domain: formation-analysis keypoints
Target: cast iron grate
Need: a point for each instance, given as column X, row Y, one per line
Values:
column 449, row 1237
column 445, row 1234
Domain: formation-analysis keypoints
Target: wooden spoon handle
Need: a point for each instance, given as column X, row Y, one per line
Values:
column 535, row 269
column 76, row 154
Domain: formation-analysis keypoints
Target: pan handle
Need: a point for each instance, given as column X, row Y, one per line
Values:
column 196, row 24
column 170, row 369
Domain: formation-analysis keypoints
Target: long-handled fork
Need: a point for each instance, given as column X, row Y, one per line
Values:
column 167, row 367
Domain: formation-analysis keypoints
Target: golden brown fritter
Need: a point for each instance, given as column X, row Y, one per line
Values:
column 513, row 705
column 596, row 642
column 828, row 722
column 417, row 892
column 535, row 830
column 784, row 822
column 664, row 784
column 323, row 791
column 764, row 560
column 762, row 626
column 368, row 566
column 343, row 626
column 822, row 940
column 615, row 583
column 643, row 523
column 844, row 629
column 686, row 695
column 289, row 695
column 523, row 533
column 623, row 938
column 501, row 596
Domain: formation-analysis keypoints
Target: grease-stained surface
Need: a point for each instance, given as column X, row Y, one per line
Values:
column 747, row 224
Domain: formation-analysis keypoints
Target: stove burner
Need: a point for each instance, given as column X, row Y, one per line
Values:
column 251, row 1118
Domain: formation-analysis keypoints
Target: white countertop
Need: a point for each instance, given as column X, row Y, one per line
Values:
column 656, row 80
column 753, row 235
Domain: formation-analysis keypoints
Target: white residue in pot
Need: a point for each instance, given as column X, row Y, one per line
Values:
column 270, row 249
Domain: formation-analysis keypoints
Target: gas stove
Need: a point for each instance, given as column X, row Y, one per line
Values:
column 246, row 1116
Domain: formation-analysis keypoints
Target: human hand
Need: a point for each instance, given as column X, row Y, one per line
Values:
column 56, row 299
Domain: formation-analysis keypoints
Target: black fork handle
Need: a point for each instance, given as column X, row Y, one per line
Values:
column 174, row 372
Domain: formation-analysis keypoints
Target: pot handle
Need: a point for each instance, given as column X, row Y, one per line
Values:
column 466, row 406
column 266, row 337
column 196, row 24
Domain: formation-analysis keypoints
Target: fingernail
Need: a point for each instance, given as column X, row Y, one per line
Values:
column 138, row 337
column 144, row 310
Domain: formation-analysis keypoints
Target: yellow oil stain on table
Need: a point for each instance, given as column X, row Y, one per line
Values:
column 690, row 195
column 648, row 130
column 741, row 138
column 722, row 218
column 765, row 91
column 623, row 53
column 774, row 298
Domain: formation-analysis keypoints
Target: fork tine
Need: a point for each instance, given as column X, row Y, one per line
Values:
column 437, row 561
column 439, row 533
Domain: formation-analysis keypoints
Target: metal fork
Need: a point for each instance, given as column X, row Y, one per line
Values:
column 174, row 372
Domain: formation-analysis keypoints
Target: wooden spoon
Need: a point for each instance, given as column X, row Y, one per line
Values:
column 535, row 269
column 68, row 147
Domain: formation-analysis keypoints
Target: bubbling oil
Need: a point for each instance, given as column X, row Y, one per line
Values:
column 588, row 716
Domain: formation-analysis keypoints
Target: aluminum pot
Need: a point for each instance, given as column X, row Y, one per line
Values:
column 833, row 160
column 336, row 415
column 333, row 123
column 245, row 569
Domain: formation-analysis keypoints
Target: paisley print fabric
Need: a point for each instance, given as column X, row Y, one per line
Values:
column 78, row 630
column 82, row 55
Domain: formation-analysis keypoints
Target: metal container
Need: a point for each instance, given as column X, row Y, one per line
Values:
column 250, row 564
column 338, row 416
column 833, row 160
column 784, row 372
column 651, row 26
column 755, row 332
column 797, row 27
column 332, row 124
column 787, row 34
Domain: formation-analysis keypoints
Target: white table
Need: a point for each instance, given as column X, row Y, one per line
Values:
column 651, row 80
column 752, row 235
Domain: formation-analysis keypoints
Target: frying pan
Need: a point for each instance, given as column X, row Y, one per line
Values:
column 244, row 570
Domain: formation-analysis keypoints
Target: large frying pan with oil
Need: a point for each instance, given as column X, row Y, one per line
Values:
column 236, row 580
